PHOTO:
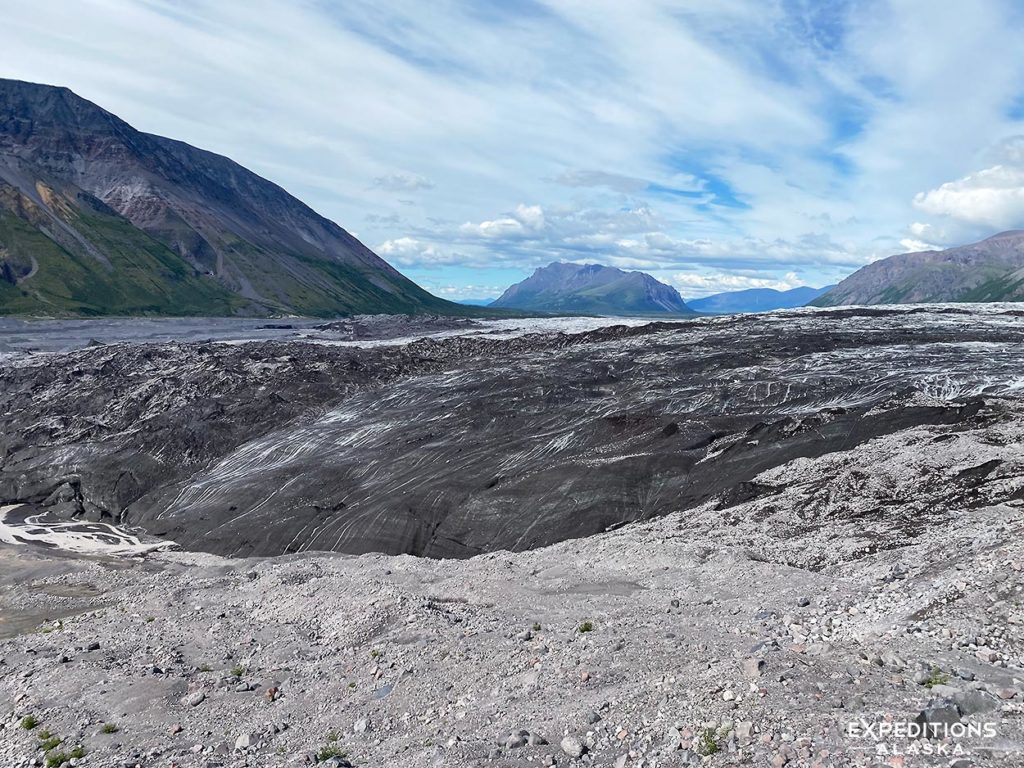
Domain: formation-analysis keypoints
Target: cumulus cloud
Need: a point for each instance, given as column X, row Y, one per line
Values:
column 693, row 285
column 523, row 221
column 910, row 245
column 466, row 291
column 629, row 238
column 993, row 196
column 408, row 251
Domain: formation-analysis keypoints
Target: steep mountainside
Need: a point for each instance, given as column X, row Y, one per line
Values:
column 756, row 300
column 561, row 287
column 98, row 218
column 992, row 270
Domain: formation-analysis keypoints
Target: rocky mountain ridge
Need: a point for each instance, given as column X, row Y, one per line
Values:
column 563, row 287
column 756, row 300
column 990, row 270
column 98, row 218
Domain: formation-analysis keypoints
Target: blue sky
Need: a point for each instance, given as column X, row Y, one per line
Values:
column 717, row 145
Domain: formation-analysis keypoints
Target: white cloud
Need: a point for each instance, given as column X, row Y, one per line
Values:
column 504, row 227
column 910, row 245
column 993, row 196
column 402, row 182
column 523, row 221
column 468, row 291
column 408, row 251
column 692, row 285
column 530, row 216
column 720, row 136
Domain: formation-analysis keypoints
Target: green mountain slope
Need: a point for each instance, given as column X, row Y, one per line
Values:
column 991, row 270
column 97, row 218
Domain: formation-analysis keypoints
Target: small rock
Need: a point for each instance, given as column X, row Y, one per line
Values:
column 517, row 740
column 753, row 668
column 937, row 717
column 572, row 746
column 195, row 699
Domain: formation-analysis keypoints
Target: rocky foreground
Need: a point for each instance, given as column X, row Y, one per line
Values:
column 858, row 606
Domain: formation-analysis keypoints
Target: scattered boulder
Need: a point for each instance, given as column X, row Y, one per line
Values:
column 572, row 746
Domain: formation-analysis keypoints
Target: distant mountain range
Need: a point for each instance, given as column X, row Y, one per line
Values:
column 97, row 218
column 591, row 288
column 756, row 300
column 476, row 302
column 992, row 270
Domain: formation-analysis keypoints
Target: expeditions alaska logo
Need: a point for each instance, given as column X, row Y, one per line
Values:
column 901, row 738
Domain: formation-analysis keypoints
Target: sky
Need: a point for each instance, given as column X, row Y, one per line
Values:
column 717, row 145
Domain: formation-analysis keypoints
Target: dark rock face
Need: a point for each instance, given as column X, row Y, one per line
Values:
column 451, row 447
column 583, row 288
column 992, row 270
column 98, row 218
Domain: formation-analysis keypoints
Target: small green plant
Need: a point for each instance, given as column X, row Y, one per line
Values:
column 536, row 627
column 59, row 758
column 50, row 742
column 109, row 728
column 937, row 677
column 374, row 654
column 44, row 735
column 708, row 743
column 205, row 668
column 352, row 685
column 332, row 736
column 149, row 619
column 28, row 722
column 586, row 626
column 329, row 751
column 238, row 670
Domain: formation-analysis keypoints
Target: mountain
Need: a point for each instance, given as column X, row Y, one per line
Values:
column 992, row 270
column 756, row 300
column 592, row 288
column 98, row 218
column 476, row 302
